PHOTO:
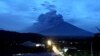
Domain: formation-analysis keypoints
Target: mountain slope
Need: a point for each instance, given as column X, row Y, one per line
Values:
column 65, row 29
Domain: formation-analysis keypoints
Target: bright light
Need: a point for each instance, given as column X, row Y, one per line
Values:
column 54, row 48
column 56, row 51
column 37, row 45
column 65, row 49
column 49, row 42
column 19, row 54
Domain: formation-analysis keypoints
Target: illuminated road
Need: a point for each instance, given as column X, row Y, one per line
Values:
column 35, row 54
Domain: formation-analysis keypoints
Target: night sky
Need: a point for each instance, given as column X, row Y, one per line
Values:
column 16, row 15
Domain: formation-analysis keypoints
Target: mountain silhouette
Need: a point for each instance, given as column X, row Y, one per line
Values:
column 1, row 29
column 52, row 24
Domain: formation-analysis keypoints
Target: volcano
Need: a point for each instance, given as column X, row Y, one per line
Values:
column 52, row 24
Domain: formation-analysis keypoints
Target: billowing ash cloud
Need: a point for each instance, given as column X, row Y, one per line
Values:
column 50, row 18
column 52, row 24
column 46, row 21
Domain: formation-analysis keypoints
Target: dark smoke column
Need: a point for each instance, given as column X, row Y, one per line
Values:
column 47, row 20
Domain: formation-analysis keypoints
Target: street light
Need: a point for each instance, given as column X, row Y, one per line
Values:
column 49, row 42
column 53, row 47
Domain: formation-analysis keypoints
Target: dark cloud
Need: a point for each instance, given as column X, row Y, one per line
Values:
column 48, row 6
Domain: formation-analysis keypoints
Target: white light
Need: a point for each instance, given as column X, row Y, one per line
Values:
column 49, row 42
column 56, row 51
column 65, row 49
column 37, row 45
column 19, row 54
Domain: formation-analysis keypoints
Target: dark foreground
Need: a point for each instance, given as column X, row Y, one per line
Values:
column 11, row 45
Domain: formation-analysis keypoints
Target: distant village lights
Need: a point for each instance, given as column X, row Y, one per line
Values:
column 39, row 45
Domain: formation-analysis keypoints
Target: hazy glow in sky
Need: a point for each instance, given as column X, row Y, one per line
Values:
column 19, row 14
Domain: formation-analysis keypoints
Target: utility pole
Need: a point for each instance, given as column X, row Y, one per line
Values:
column 91, row 48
